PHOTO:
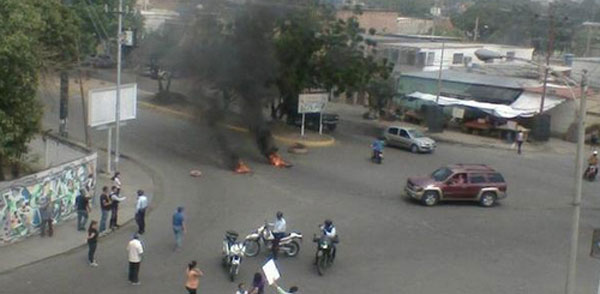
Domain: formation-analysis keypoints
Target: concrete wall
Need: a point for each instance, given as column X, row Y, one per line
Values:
column 19, row 199
column 413, row 26
column 562, row 116
column 382, row 21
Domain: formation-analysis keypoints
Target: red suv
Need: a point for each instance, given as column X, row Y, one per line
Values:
column 471, row 182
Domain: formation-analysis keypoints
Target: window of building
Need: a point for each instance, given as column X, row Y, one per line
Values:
column 421, row 57
column 457, row 58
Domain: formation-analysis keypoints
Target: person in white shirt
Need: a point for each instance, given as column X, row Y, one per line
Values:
column 140, row 211
column 520, row 139
column 241, row 289
column 115, row 199
column 117, row 181
column 135, row 249
column 279, row 229
column 293, row 289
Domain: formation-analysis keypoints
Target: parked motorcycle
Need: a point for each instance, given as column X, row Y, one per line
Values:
column 325, row 253
column 377, row 156
column 288, row 244
column 590, row 173
column 233, row 251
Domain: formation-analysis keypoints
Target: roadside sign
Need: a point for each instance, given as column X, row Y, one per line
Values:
column 311, row 103
column 102, row 105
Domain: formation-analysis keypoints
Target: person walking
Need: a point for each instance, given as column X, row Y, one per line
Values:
column 135, row 251
column 241, row 289
column 258, row 284
column 192, row 274
column 116, row 178
column 520, row 138
column 92, row 241
column 46, row 215
column 178, row 227
column 115, row 199
column 83, row 209
column 105, row 208
column 140, row 211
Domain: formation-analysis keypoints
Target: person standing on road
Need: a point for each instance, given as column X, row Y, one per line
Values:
column 46, row 214
column 89, row 188
column 193, row 274
column 140, row 211
column 135, row 251
column 116, row 178
column 115, row 199
column 520, row 138
column 258, row 284
column 105, row 207
column 83, row 209
column 178, row 227
column 279, row 229
column 92, row 241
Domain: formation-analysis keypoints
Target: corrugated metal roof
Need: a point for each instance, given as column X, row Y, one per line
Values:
column 475, row 79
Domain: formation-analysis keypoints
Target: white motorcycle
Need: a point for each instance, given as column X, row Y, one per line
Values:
column 288, row 244
column 233, row 252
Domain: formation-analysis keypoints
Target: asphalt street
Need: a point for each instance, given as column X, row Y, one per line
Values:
column 389, row 244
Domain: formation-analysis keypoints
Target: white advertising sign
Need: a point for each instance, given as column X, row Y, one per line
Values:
column 310, row 103
column 102, row 104
column 271, row 271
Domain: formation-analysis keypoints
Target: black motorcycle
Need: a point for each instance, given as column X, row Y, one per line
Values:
column 590, row 173
column 325, row 253
column 377, row 156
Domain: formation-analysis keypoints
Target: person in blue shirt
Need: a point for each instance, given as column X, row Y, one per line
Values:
column 178, row 227
column 377, row 147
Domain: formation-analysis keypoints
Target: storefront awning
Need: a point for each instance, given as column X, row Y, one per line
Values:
column 526, row 105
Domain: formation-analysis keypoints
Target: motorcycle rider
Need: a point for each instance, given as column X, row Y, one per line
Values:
column 593, row 162
column 377, row 147
column 279, row 228
column 328, row 230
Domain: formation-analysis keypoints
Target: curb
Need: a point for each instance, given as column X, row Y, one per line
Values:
column 157, row 185
column 327, row 142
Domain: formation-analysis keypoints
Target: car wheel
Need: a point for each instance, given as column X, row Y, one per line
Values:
column 487, row 199
column 430, row 198
column 414, row 148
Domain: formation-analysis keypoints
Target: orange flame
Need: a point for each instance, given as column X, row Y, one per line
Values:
column 276, row 160
column 241, row 168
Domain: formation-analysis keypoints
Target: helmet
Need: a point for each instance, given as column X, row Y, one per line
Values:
column 595, row 152
column 328, row 223
column 279, row 214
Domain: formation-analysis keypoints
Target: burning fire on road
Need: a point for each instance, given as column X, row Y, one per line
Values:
column 276, row 160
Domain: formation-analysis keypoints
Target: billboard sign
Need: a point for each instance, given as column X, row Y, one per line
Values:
column 311, row 103
column 102, row 105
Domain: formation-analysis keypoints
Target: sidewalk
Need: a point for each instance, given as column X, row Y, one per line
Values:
column 353, row 113
column 66, row 237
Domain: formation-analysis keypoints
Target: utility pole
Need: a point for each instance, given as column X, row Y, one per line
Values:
column 439, row 83
column 549, row 50
column 118, row 107
column 476, row 32
column 574, row 244
column 64, row 103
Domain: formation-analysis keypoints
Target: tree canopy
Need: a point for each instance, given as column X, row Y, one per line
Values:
column 36, row 35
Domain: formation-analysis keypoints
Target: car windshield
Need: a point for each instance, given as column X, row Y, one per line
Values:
column 415, row 134
column 441, row 174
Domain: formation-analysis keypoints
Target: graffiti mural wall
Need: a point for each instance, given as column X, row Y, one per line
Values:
column 20, row 199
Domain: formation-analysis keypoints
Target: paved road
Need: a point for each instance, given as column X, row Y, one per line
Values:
column 389, row 244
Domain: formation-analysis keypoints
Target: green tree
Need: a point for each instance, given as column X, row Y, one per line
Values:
column 37, row 35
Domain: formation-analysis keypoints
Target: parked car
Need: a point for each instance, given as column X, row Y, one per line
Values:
column 409, row 138
column 311, row 121
column 462, row 182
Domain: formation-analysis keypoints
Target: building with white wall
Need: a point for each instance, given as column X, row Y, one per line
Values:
column 426, row 56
